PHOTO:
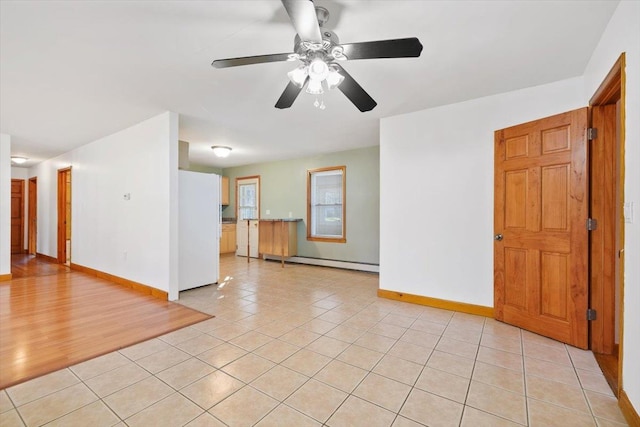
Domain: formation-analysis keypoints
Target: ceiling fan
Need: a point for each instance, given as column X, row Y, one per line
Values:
column 320, row 52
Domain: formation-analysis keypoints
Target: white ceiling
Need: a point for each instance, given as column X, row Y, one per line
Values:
column 72, row 72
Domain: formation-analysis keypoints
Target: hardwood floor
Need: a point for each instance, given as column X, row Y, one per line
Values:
column 23, row 265
column 56, row 318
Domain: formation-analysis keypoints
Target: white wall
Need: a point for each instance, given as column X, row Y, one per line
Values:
column 623, row 35
column 436, row 195
column 129, row 239
column 437, row 168
column 5, row 204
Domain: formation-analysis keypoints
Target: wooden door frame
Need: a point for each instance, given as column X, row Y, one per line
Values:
column 610, row 91
column 21, row 212
column 32, row 214
column 62, row 214
column 257, row 178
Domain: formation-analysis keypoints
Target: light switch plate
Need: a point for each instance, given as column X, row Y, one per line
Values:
column 628, row 212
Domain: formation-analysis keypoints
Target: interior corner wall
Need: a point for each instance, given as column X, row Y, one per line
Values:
column 5, row 204
column 126, row 238
column 623, row 35
column 283, row 189
column 436, row 190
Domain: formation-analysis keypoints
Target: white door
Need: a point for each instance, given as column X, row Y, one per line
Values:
column 248, row 213
column 247, row 231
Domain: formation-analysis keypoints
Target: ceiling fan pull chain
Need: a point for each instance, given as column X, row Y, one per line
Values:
column 319, row 104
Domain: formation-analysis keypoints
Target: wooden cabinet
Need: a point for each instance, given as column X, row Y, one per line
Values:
column 228, row 239
column 279, row 237
column 224, row 196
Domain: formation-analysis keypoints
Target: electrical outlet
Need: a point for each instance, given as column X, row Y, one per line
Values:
column 268, row 212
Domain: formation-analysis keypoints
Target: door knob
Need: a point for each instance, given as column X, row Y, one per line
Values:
column 498, row 237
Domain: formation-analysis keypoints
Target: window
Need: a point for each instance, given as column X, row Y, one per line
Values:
column 326, row 201
column 248, row 200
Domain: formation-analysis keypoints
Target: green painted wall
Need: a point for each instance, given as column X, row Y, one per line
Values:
column 283, row 189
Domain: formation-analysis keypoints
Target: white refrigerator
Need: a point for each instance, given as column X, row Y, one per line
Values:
column 199, row 229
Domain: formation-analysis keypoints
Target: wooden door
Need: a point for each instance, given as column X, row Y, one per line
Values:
column 32, row 231
column 64, row 215
column 540, row 251
column 17, row 216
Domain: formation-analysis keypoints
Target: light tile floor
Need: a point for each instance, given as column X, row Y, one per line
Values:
column 310, row 346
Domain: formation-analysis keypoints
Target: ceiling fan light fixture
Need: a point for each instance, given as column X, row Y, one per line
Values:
column 334, row 78
column 318, row 70
column 314, row 87
column 221, row 150
column 299, row 75
column 18, row 160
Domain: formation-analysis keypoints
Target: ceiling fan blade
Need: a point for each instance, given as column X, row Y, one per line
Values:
column 396, row 48
column 248, row 60
column 354, row 92
column 304, row 19
column 289, row 95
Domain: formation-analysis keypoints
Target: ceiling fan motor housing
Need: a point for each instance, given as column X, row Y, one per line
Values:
column 328, row 50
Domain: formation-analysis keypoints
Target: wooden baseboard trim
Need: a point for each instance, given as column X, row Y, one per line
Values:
column 628, row 410
column 462, row 307
column 5, row 277
column 149, row 290
column 46, row 257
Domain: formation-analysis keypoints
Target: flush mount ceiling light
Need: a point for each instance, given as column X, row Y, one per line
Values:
column 319, row 50
column 221, row 150
column 18, row 160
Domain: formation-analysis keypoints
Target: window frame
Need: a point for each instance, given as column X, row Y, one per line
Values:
column 310, row 236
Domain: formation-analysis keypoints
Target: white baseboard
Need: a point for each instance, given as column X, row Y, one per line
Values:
column 371, row 268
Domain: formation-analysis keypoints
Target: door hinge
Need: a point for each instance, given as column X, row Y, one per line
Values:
column 591, row 314
column 592, row 133
column 592, row 224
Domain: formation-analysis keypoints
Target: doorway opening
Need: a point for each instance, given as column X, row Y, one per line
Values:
column 606, row 204
column 64, row 216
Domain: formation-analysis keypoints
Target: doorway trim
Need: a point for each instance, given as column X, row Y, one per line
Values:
column 610, row 91
column 62, row 214
column 32, row 217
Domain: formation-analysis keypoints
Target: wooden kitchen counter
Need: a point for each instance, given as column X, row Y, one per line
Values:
column 279, row 237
